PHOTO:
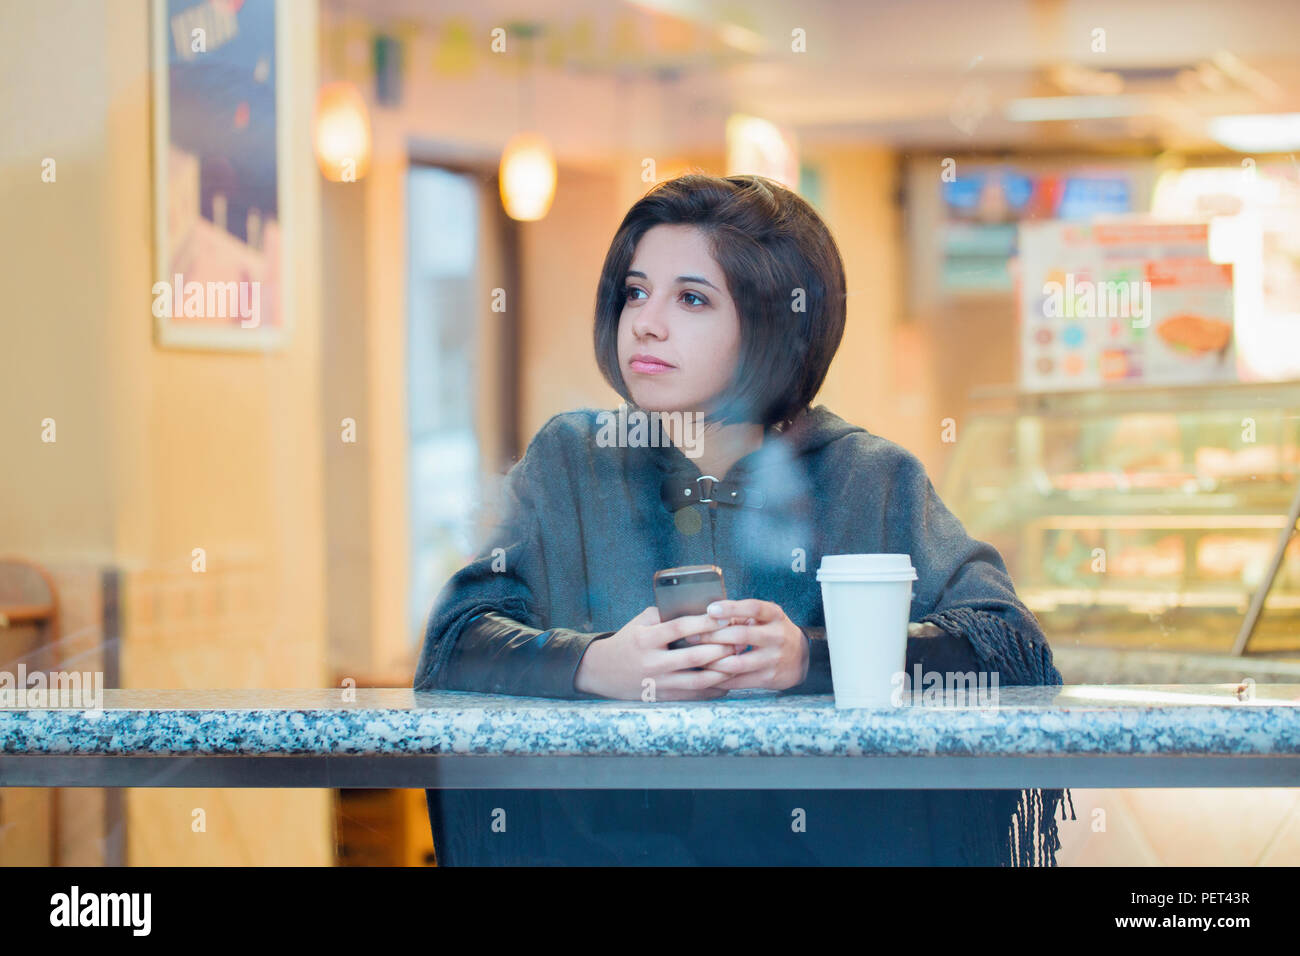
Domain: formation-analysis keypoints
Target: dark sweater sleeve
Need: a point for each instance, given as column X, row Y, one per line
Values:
column 962, row 583
column 503, row 592
column 495, row 654
column 962, row 587
column 944, row 653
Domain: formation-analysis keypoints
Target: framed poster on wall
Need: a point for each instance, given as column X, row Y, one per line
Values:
column 219, row 245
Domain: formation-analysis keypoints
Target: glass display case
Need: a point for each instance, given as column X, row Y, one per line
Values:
column 1143, row 518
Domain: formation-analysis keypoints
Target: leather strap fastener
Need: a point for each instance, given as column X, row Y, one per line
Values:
column 706, row 489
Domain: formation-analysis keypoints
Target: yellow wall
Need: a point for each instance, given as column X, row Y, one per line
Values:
column 857, row 204
column 385, row 257
column 160, row 451
column 561, row 257
column 53, row 278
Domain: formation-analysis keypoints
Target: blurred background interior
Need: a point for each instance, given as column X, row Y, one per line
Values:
column 426, row 191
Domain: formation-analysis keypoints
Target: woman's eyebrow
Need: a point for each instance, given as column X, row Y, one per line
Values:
column 700, row 279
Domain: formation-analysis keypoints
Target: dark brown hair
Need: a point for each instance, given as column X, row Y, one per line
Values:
column 770, row 244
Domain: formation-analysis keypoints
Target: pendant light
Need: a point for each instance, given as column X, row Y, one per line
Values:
column 527, row 170
column 341, row 133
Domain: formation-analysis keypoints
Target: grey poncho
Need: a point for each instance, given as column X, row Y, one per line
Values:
column 583, row 526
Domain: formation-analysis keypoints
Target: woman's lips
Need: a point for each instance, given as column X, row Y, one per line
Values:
column 649, row 366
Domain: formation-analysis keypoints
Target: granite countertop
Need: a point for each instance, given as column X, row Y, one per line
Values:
column 1097, row 720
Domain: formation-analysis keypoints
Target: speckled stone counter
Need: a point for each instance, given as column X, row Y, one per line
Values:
column 1084, row 735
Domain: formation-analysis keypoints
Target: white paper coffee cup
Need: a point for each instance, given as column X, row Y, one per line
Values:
column 867, row 599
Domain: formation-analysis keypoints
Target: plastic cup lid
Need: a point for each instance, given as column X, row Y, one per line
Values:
column 866, row 567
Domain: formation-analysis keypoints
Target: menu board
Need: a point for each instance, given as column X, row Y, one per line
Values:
column 983, row 204
column 1129, row 301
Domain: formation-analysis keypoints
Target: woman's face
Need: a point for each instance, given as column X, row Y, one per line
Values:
column 676, row 310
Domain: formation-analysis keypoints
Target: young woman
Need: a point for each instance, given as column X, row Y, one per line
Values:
column 721, row 301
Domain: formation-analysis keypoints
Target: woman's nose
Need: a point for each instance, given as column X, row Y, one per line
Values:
column 648, row 320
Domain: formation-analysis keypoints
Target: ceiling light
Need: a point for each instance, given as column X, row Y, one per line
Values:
column 1258, row 132
column 1040, row 109
column 341, row 136
column 527, row 177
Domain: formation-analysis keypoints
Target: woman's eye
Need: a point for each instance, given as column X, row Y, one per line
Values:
column 629, row 294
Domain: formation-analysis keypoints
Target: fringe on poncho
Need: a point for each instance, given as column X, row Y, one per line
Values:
column 1032, row 836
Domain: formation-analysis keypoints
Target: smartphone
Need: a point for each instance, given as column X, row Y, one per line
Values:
column 687, row 590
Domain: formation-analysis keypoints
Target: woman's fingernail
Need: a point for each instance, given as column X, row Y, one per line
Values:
column 714, row 608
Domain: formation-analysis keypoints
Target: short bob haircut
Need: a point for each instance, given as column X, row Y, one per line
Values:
column 783, row 271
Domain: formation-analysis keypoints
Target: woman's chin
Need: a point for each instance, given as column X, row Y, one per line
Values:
column 651, row 401
column 663, row 397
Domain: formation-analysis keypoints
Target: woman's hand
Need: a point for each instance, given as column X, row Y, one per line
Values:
column 777, row 657
column 778, row 651
column 618, row 665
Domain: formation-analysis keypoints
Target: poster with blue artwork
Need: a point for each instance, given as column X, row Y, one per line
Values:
column 217, row 204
